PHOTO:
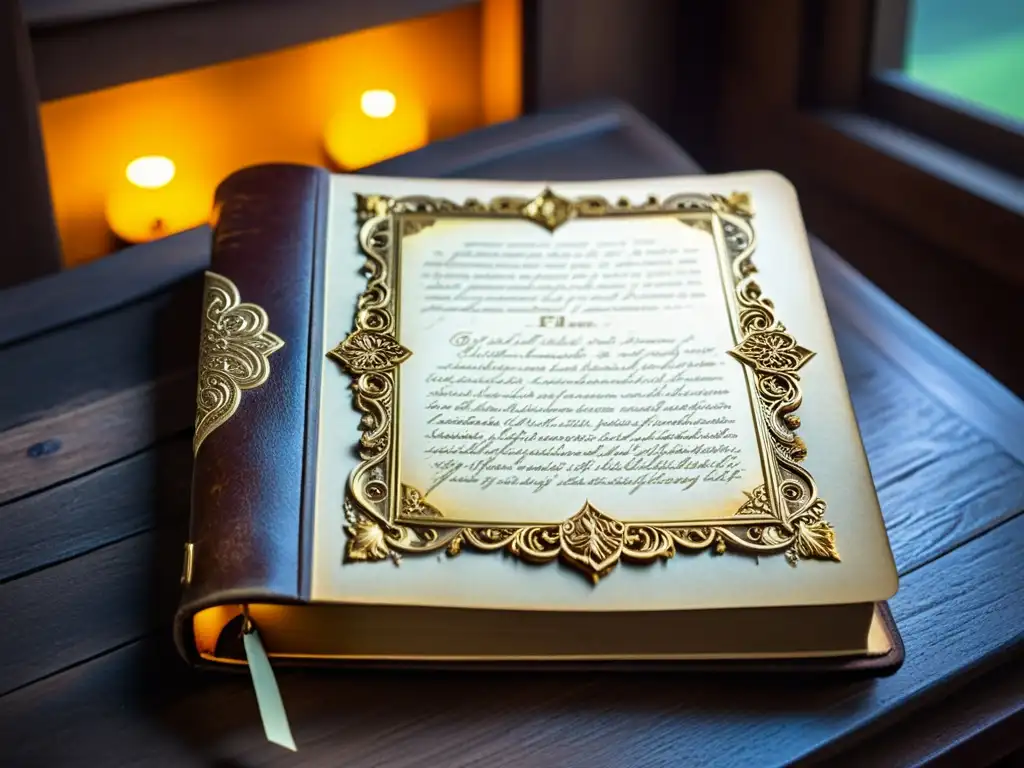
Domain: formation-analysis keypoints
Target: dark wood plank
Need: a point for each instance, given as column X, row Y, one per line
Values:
column 940, row 481
column 474, row 153
column 96, row 509
column 102, row 285
column 926, row 192
column 604, row 134
column 835, row 59
column 949, row 377
column 889, row 36
column 982, row 727
column 80, row 57
column 956, row 299
column 51, row 450
column 575, row 50
column 109, row 353
column 31, row 247
column 49, row 12
column 92, row 603
column 966, row 126
column 956, row 613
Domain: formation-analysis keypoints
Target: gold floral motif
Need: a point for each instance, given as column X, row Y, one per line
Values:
column 369, row 352
column 592, row 541
column 234, row 353
column 737, row 203
column 387, row 518
column 772, row 351
column 414, row 505
column 366, row 541
column 816, row 539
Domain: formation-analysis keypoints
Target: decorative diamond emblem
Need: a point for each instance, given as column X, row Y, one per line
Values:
column 369, row 352
column 771, row 352
column 548, row 209
column 592, row 541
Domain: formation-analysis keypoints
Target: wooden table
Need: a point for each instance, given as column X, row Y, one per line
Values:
column 96, row 398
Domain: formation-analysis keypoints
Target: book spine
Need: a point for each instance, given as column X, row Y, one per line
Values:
column 256, row 393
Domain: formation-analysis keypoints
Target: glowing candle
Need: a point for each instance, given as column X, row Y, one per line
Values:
column 150, row 201
column 374, row 128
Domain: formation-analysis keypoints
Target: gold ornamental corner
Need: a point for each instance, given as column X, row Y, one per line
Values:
column 234, row 354
column 387, row 519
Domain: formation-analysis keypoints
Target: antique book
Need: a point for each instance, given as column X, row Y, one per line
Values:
column 526, row 423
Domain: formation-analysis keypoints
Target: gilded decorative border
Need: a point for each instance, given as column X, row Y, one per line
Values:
column 782, row 516
column 234, row 354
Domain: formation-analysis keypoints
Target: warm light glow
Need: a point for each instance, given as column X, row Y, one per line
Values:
column 150, row 172
column 377, row 103
column 501, row 59
column 210, row 126
column 154, row 201
column 355, row 138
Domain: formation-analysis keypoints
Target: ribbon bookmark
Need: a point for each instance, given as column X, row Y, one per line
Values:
column 268, row 696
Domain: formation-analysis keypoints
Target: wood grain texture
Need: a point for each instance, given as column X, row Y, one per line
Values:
column 85, row 606
column 978, row 730
column 134, row 704
column 48, row 451
column 96, row 509
column 102, row 356
column 105, row 284
column 939, row 481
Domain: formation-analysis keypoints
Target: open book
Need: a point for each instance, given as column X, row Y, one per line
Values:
column 467, row 421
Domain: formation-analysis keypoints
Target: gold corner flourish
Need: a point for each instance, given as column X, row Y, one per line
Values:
column 234, row 354
column 386, row 518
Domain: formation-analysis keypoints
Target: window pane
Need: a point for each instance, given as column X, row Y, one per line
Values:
column 971, row 49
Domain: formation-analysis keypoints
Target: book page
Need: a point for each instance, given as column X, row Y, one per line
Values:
column 586, row 364
column 449, row 321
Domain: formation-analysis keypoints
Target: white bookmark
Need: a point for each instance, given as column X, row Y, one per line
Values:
column 268, row 696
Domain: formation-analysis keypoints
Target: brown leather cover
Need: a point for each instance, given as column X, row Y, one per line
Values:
column 251, row 524
column 251, row 497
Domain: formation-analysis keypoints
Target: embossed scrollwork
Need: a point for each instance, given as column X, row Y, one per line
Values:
column 234, row 354
column 386, row 518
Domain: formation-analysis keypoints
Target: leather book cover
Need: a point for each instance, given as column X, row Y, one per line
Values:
column 251, row 516
column 257, row 422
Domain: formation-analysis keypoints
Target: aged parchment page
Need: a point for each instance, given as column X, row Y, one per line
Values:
column 835, row 455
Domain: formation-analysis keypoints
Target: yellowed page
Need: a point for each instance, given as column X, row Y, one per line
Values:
column 550, row 369
column 835, row 456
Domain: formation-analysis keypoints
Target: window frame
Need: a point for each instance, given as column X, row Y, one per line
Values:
column 804, row 100
column 890, row 94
